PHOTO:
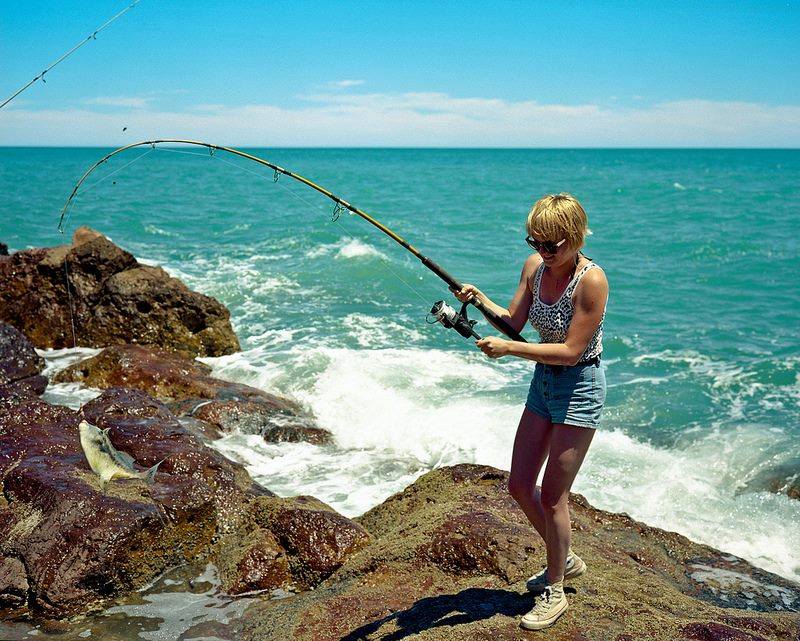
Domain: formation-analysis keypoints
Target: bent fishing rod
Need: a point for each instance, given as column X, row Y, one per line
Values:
column 440, row 312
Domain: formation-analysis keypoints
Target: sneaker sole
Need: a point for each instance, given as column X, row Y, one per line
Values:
column 544, row 623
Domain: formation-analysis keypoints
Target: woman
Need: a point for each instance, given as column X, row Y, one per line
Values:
column 563, row 294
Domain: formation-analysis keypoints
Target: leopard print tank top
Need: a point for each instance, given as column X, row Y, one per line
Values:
column 552, row 321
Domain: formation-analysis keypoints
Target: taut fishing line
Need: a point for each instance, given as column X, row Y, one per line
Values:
column 91, row 36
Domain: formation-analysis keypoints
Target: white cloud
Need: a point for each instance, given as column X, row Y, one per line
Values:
column 420, row 119
column 132, row 102
column 344, row 84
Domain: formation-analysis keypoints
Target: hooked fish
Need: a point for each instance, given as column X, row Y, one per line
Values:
column 106, row 460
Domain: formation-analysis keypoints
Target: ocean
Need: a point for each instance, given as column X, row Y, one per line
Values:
column 701, row 347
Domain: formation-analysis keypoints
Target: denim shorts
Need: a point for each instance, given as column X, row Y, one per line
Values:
column 571, row 395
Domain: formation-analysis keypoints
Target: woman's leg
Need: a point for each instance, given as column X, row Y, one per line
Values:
column 531, row 445
column 568, row 447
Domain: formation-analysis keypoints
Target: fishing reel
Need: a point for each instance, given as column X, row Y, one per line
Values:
column 442, row 313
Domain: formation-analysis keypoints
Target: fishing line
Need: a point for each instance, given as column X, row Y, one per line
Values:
column 106, row 177
column 91, row 36
column 69, row 297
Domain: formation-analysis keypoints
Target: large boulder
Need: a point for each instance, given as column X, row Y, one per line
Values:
column 92, row 293
column 295, row 542
column 185, row 385
column 449, row 556
column 20, row 365
column 80, row 542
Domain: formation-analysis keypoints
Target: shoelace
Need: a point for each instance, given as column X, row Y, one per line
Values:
column 543, row 601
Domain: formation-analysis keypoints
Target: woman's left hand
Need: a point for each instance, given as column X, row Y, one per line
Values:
column 493, row 346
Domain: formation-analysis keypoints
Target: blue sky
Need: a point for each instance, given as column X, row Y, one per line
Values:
column 405, row 73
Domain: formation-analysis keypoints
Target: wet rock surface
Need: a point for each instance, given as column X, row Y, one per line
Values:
column 781, row 479
column 114, row 300
column 20, row 365
column 80, row 542
column 68, row 543
column 185, row 384
column 448, row 558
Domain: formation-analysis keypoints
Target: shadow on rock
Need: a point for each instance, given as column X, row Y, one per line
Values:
column 472, row 604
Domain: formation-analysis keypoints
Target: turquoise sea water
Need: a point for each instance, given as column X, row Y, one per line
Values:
column 702, row 347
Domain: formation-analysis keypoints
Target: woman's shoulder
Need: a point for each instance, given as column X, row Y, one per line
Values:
column 529, row 269
column 593, row 278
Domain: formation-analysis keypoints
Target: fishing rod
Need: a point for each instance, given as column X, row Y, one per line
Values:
column 440, row 312
column 91, row 36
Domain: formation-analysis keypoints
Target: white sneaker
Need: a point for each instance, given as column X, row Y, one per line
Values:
column 547, row 607
column 573, row 568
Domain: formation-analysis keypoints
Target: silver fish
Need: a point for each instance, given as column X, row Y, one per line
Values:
column 106, row 460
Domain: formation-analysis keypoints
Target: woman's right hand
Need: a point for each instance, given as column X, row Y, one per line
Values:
column 468, row 293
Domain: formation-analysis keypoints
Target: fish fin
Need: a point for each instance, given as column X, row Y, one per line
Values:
column 150, row 476
column 126, row 458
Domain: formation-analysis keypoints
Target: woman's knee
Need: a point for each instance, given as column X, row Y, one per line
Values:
column 554, row 500
column 520, row 490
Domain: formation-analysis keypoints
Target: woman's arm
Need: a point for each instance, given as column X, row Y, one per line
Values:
column 517, row 312
column 590, row 303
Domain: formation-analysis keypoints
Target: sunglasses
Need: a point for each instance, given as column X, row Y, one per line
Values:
column 547, row 246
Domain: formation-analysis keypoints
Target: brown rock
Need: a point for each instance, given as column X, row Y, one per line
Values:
column 781, row 479
column 13, row 583
column 717, row 632
column 111, row 298
column 184, row 383
column 261, row 565
column 20, row 365
column 317, row 538
column 275, row 419
column 482, row 543
column 294, row 542
column 3, row 249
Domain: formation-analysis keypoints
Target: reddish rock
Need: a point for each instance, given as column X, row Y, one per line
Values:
column 111, row 299
column 717, row 632
column 185, row 384
column 318, row 539
column 481, row 543
column 261, row 565
column 13, row 583
column 275, row 419
column 20, row 365
column 81, row 543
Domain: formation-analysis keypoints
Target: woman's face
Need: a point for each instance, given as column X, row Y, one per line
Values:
column 562, row 253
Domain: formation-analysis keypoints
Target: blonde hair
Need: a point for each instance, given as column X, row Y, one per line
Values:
column 558, row 216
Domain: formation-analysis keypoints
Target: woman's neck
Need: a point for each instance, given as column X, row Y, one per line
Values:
column 564, row 269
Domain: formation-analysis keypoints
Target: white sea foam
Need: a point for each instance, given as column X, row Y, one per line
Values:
column 395, row 414
column 347, row 247
column 152, row 229
column 374, row 331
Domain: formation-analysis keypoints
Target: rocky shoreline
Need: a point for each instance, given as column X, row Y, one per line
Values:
column 446, row 558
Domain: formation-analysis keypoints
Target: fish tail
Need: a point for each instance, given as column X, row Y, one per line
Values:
column 150, row 475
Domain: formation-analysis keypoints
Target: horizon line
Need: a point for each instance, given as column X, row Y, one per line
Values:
column 439, row 148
